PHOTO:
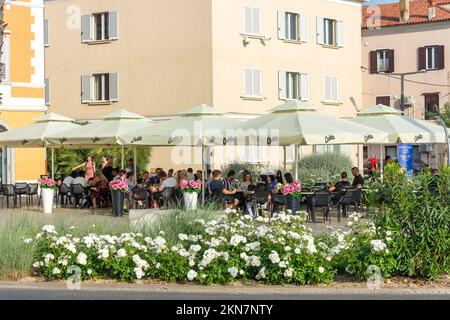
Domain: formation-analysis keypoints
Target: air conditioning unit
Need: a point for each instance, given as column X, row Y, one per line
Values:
column 428, row 147
column 409, row 101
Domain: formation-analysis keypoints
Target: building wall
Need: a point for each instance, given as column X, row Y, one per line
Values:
column 405, row 40
column 162, row 56
column 23, row 89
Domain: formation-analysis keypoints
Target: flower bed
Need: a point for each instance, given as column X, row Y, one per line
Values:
column 276, row 251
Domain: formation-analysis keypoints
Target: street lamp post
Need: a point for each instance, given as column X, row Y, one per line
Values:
column 441, row 121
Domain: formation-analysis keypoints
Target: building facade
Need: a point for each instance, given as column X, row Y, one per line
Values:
column 408, row 37
column 22, row 85
column 158, row 58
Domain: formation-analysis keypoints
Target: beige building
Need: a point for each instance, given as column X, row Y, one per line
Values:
column 412, row 38
column 157, row 58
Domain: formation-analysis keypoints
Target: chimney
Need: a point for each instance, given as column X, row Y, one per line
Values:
column 431, row 9
column 404, row 10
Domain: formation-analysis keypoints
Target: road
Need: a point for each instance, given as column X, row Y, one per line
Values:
column 150, row 292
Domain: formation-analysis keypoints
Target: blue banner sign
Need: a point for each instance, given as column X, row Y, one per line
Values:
column 406, row 157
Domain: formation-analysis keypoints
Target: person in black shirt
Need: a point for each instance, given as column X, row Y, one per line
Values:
column 358, row 180
column 107, row 168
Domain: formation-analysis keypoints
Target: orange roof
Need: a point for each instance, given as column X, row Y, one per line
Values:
column 390, row 13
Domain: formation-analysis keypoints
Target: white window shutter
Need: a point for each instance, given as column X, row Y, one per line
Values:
column 327, row 88
column 340, row 33
column 320, row 30
column 86, row 21
column 113, row 87
column 282, row 85
column 248, row 82
column 47, row 91
column 113, row 25
column 336, row 89
column 247, row 19
column 256, row 21
column 304, row 87
column 304, row 28
column 46, row 42
column 281, row 25
column 257, row 83
column 86, row 89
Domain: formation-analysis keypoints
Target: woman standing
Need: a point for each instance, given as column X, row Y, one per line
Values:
column 98, row 185
column 89, row 168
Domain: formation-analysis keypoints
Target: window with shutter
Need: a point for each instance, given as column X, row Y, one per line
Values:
column 373, row 57
column 440, row 57
column 113, row 87
column 431, row 58
column 320, row 30
column 331, row 89
column 391, row 61
column 282, row 85
column 422, row 58
column 292, row 26
column 252, row 82
column 47, row 91
column 281, row 25
column 304, row 87
column 86, row 89
column 431, row 105
column 86, row 28
column 294, row 86
column 385, row 100
column 252, row 20
column 382, row 61
column 100, row 26
column 304, row 28
column 46, row 42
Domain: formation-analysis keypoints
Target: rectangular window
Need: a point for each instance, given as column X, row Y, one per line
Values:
column 383, row 61
column 431, row 105
column 431, row 58
column 329, row 32
column 99, row 26
column 100, row 87
column 252, row 82
column 252, row 20
column 331, row 89
column 292, row 29
column 294, row 86
column 385, row 100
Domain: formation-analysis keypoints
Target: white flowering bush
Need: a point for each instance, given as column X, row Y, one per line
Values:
column 362, row 246
column 279, row 250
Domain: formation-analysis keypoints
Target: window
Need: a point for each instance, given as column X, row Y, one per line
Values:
column 292, row 26
column 331, row 89
column 330, row 32
column 293, row 86
column 386, row 100
column 99, row 27
column 5, row 60
column 252, row 20
column 252, row 82
column 46, row 42
column 47, row 91
column 101, row 87
column 431, row 105
column 382, row 61
column 431, row 58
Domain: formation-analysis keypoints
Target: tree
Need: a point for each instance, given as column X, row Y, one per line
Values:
column 66, row 159
column 445, row 114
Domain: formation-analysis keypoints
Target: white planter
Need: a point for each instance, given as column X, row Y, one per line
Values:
column 190, row 200
column 47, row 200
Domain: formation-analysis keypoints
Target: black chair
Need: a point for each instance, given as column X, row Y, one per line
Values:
column 8, row 193
column 140, row 194
column 351, row 196
column 77, row 192
column 32, row 190
column 260, row 197
column 64, row 194
column 167, row 197
column 20, row 189
column 321, row 199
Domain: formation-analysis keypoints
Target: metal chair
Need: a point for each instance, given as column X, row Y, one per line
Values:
column 77, row 192
column 9, row 192
column 351, row 196
column 20, row 189
column 140, row 194
column 321, row 199
column 32, row 190
column 64, row 194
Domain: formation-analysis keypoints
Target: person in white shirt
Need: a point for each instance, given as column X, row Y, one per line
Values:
column 80, row 179
column 167, row 182
column 68, row 181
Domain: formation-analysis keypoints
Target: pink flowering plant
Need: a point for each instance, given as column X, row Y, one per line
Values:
column 293, row 189
column 191, row 186
column 47, row 183
column 119, row 185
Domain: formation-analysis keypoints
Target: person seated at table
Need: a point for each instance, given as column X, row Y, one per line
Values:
column 224, row 190
column 145, row 180
column 342, row 184
column 155, row 178
column 166, row 181
column 198, row 175
column 358, row 180
column 190, row 174
column 170, row 173
column 131, row 179
column 97, row 186
column 247, row 181
column 68, row 181
column 279, row 177
column 181, row 176
column 80, row 179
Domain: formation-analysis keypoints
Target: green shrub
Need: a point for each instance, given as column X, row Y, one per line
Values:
column 325, row 167
column 239, row 168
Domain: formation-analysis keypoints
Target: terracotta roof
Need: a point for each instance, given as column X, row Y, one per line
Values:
column 390, row 13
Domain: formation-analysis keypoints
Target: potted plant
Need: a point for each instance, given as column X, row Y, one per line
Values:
column 118, row 189
column 293, row 195
column 48, row 187
column 190, row 190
